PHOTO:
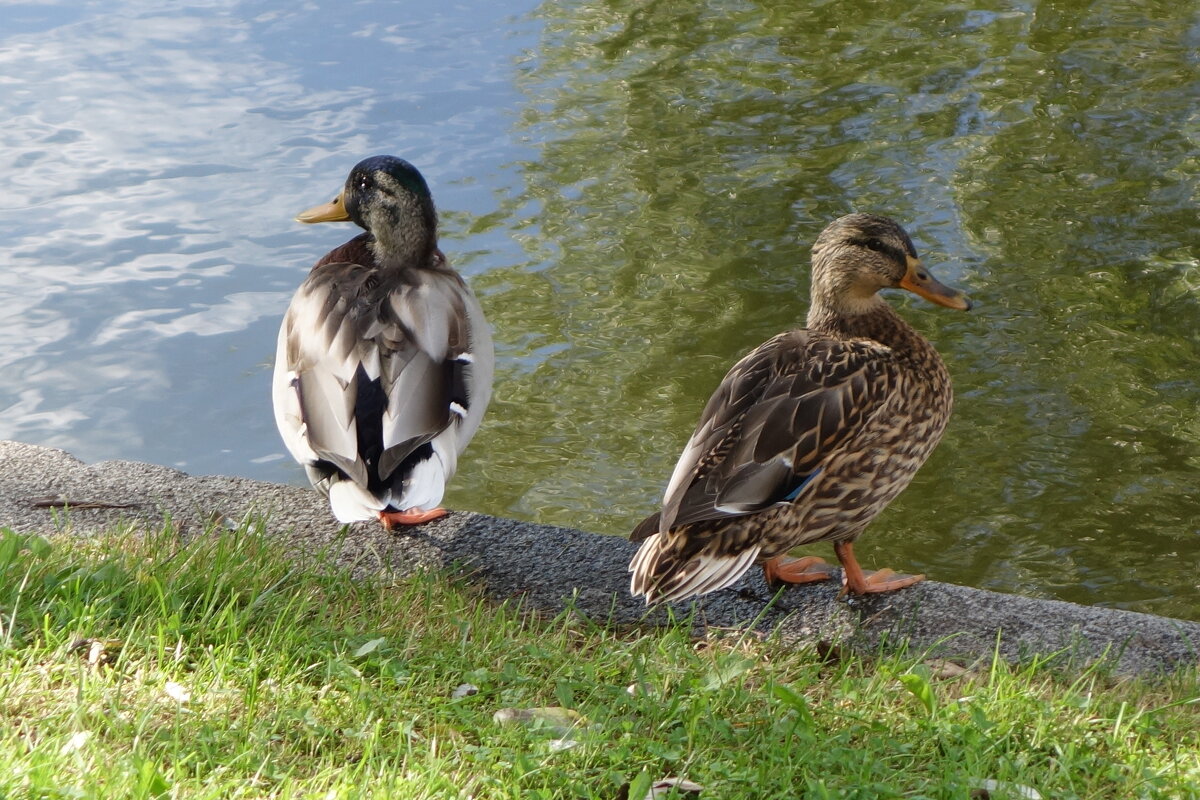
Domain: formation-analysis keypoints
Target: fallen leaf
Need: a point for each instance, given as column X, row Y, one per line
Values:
column 100, row 652
column 662, row 787
column 464, row 690
column 1006, row 789
column 559, row 720
column 946, row 670
column 76, row 742
column 369, row 647
column 178, row 692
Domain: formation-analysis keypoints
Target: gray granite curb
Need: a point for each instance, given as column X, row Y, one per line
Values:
column 553, row 568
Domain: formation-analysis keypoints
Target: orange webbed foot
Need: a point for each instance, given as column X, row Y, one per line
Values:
column 883, row 580
column 393, row 519
column 809, row 569
column 856, row 581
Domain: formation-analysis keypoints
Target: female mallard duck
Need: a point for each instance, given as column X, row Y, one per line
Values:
column 809, row 436
column 384, row 364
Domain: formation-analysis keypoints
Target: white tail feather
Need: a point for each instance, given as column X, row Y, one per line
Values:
column 702, row 574
column 425, row 485
column 352, row 503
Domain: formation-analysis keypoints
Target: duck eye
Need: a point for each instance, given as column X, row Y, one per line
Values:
column 876, row 245
column 364, row 182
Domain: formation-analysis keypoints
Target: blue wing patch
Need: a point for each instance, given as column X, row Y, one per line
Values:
column 794, row 493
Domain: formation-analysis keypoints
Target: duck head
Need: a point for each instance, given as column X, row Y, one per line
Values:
column 387, row 197
column 859, row 254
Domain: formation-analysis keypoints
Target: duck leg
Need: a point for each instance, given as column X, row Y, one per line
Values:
column 809, row 569
column 393, row 519
column 858, row 582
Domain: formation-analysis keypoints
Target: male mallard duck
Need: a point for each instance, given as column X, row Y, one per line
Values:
column 384, row 364
column 811, row 435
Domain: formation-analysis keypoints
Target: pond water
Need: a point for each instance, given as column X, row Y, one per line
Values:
column 632, row 188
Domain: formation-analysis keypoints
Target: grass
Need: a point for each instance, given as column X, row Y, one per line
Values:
column 138, row 666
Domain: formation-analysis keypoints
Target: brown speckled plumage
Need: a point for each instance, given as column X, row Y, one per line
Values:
column 811, row 435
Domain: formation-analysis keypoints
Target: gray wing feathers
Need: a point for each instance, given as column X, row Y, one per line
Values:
column 445, row 323
column 405, row 340
column 312, row 375
column 414, row 412
column 432, row 313
column 479, row 373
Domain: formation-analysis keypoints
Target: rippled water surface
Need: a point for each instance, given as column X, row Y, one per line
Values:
column 632, row 188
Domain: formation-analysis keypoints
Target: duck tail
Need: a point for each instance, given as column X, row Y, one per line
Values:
column 666, row 570
column 646, row 527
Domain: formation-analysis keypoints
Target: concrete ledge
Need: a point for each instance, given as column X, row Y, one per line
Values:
column 553, row 567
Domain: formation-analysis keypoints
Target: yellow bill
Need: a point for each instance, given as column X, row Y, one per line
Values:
column 333, row 211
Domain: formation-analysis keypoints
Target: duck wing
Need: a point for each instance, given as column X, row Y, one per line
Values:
column 369, row 370
column 771, row 425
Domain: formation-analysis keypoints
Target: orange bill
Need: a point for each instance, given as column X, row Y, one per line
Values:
column 918, row 280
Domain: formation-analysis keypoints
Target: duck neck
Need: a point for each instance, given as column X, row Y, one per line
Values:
column 396, row 249
column 870, row 319
column 403, row 235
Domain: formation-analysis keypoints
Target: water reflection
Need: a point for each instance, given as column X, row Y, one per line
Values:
column 1042, row 156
